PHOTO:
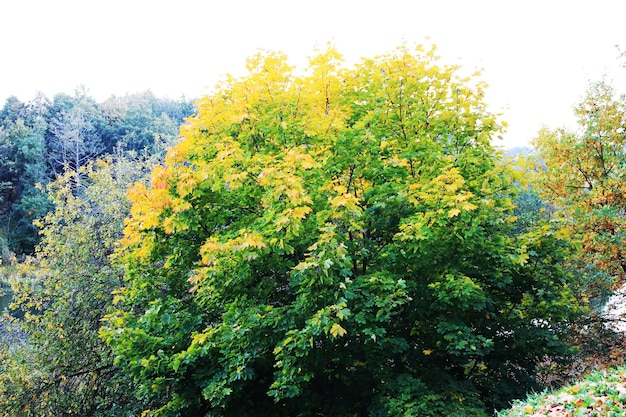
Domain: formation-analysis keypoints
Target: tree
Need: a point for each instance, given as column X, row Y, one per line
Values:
column 584, row 177
column 141, row 121
column 22, row 167
column 74, row 143
column 62, row 367
column 337, row 243
column 41, row 138
column 12, row 110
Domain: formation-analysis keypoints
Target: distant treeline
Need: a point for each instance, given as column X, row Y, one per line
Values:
column 43, row 137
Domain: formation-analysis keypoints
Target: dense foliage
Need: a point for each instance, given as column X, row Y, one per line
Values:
column 585, row 175
column 60, row 366
column 582, row 173
column 43, row 138
column 68, row 163
column 337, row 243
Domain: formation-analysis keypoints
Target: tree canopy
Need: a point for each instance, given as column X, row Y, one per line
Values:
column 583, row 175
column 56, row 364
column 43, row 138
column 337, row 242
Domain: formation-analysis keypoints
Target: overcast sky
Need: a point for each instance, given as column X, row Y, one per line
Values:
column 537, row 56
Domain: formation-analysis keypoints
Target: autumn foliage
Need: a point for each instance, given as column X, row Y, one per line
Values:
column 584, row 178
column 339, row 242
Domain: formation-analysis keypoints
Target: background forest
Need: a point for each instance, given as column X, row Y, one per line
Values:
column 336, row 241
column 46, row 137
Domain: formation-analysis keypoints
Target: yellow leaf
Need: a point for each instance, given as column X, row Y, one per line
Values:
column 302, row 266
column 341, row 200
column 301, row 212
column 468, row 206
column 454, row 212
column 337, row 330
column 308, row 162
column 427, row 351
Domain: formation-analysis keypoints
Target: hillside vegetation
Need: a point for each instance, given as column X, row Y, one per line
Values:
column 328, row 241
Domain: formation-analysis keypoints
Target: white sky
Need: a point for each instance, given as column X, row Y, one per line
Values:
column 537, row 56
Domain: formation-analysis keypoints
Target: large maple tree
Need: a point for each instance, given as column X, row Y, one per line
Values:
column 337, row 241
